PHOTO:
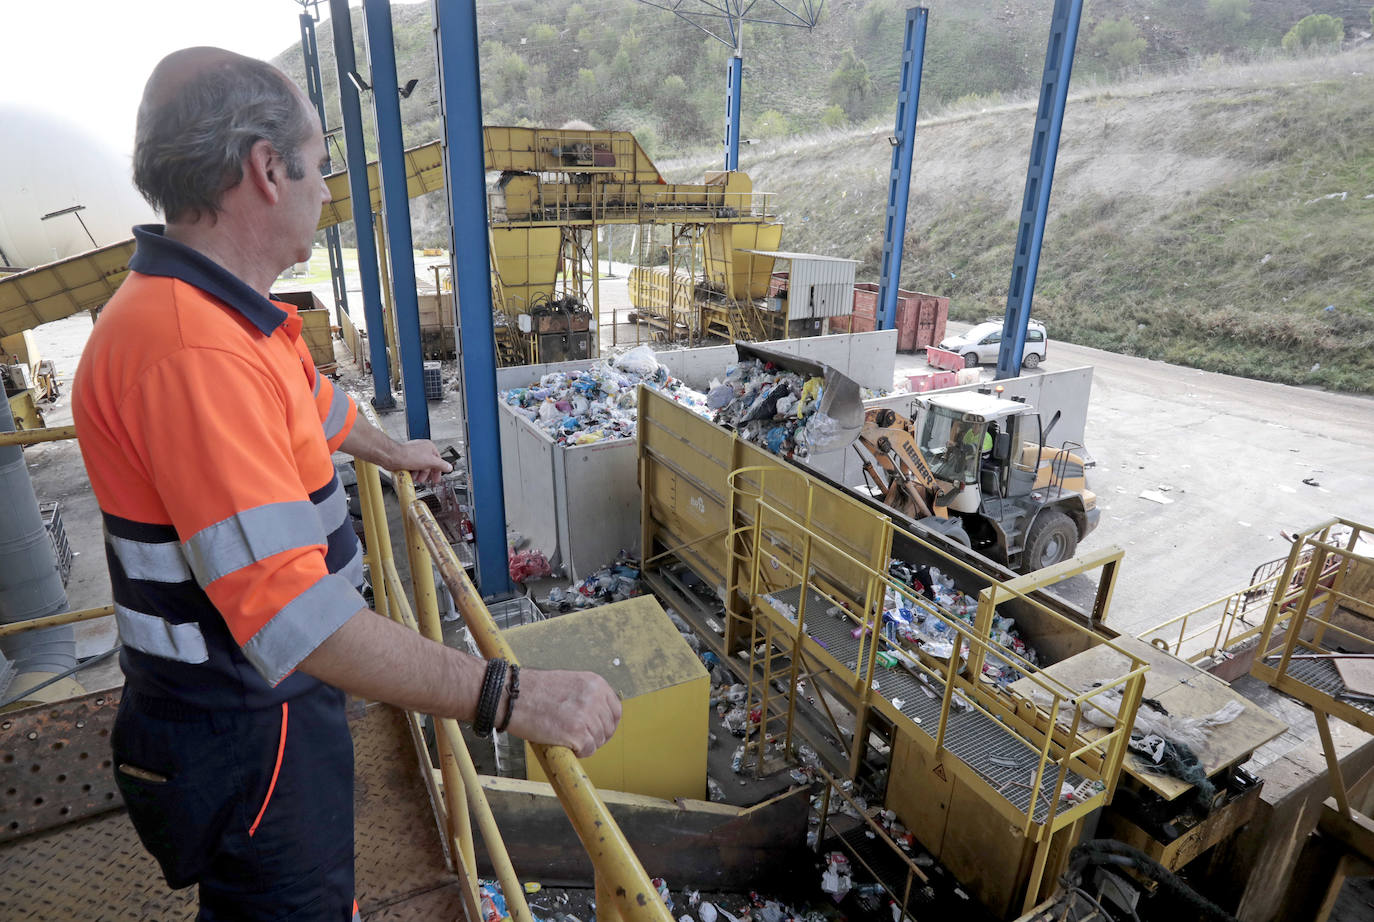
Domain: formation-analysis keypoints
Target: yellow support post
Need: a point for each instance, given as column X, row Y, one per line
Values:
column 376, row 529
column 596, row 295
column 393, row 341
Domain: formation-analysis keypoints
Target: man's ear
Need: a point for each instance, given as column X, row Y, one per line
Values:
column 265, row 170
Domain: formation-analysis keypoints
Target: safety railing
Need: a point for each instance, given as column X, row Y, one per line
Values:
column 1045, row 715
column 1304, row 640
column 623, row 888
column 628, row 203
column 1219, row 627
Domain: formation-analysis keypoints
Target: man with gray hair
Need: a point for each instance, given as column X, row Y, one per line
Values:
column 236, row 576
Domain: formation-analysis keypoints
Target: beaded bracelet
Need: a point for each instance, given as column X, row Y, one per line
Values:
column 490, row 698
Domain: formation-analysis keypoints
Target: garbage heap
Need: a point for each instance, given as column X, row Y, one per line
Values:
column 912, row 623
column 774, row 408
column 597, row 405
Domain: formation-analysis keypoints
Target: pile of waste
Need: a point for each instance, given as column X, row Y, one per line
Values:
column 597, row 405
column 774, row 408
column 613, row 583
column 688, row 906
column 910, row 621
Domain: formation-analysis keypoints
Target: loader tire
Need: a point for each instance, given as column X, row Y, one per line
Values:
column 1053, row 537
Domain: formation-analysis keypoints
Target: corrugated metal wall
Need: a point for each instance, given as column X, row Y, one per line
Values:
column 820, row 288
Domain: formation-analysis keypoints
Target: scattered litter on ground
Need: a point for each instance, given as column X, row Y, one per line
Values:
column 614, row 583
column 1155, row 496
column 597, row 405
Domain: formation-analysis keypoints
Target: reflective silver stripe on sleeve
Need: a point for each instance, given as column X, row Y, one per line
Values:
column 338, row 414
column 333, row 510
column 161, row 562
column 353, row 570
column 159, row 637
column 301, row 626
column 250, row 536
column 319, row 383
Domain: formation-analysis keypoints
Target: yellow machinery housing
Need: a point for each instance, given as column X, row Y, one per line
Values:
column 659, row 748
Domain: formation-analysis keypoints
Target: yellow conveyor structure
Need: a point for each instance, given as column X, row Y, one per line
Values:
column 551, row 180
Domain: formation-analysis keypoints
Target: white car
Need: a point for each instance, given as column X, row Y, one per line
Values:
column 980, row 343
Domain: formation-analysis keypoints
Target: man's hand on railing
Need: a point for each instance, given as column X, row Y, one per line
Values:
column 573, row 709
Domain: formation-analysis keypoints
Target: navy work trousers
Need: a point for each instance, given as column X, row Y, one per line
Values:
column 254, row 807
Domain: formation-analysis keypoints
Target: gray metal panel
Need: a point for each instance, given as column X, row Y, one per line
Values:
column 528, row 474
column 820, row 288
column 599, row 501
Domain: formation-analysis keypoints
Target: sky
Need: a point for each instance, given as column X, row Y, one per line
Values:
column 89, row 59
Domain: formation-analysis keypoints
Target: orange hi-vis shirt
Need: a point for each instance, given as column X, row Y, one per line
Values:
column 207, row 434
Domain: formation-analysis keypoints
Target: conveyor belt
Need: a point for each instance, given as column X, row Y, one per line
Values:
column 971, row 736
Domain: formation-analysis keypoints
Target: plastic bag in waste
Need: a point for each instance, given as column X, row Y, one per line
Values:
column 638, row 361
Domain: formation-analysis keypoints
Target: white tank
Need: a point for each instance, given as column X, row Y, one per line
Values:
column 48, row 164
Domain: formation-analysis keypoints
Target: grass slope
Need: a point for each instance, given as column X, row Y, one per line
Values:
column 1222, row 220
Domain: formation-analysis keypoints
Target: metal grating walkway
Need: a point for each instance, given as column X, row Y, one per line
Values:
column 95, row 868
column 971, row 736
column 1323, row 675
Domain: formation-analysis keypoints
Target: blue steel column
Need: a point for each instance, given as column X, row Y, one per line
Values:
column 733, row 75
column 460, row 104
column 1049, row 119
column 362, row 203
column 314, row 88
column 899, row 180
column 386, row 105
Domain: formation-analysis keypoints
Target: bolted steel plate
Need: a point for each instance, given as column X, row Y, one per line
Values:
column 55, row 763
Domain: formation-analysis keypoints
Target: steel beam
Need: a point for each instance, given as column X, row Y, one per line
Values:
column 314, row 86
column 356, row 156
column 734, row 73
column 899, row 179
column 1035, row 207
column 391, row 165
column 460, row 106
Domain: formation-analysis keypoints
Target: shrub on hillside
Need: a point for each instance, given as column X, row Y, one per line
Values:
column 1229, row 14
column 1314, row 31
column 1118, row 42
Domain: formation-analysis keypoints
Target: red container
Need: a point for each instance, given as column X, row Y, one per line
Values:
column 921, row 320
column 942, row 379
column 943, row 358
column 920, row 317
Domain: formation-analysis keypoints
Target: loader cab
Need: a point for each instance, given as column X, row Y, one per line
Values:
column 976, row 444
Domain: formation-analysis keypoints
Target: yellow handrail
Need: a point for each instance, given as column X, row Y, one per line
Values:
column 620, row 876
column 31, row 436
column 57, row 620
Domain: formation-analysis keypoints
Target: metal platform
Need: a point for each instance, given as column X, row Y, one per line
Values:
column 95, row 869
column 971, row 736
column 1322, row 675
